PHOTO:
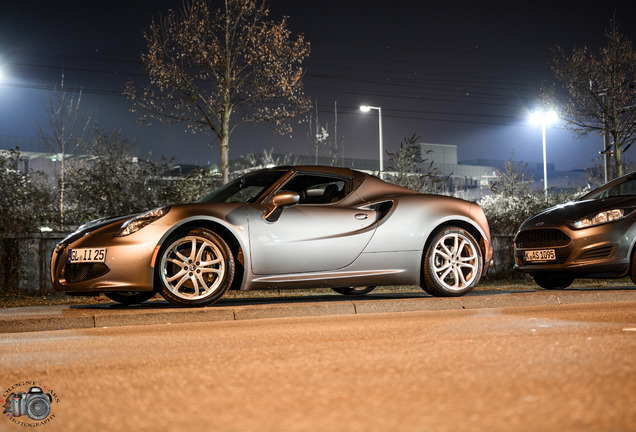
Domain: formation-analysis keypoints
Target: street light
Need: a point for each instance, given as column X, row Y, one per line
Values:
column 543, row 119
column 367, row 108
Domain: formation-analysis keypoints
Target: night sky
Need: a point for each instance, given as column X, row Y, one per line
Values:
column 461, row 73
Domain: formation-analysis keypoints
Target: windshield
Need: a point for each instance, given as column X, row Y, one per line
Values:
column 625, row 186
column 245, row 189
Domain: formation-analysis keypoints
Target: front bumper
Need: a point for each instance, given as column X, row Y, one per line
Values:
column 601, row 251
column 128, row 265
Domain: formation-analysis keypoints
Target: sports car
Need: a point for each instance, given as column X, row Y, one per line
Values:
column 285, row 227
column 592, row 237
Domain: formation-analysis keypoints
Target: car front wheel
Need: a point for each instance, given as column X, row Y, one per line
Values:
column 452, row 263
column 195, row 268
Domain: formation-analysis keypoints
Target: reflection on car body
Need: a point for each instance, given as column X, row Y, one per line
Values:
column 285, row 227
column 591, row 237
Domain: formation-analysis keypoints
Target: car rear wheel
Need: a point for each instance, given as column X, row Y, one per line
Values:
column 362, row 290
column 195, row 268
column 553, row 280
column 452, row 263
column 130, row 297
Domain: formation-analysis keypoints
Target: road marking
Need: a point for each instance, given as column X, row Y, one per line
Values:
column 630, row 329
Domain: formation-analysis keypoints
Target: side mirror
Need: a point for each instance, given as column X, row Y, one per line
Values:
column 280, row 201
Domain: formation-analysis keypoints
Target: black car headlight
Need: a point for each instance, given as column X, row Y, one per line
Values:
column 138, row 222
column 599, row 218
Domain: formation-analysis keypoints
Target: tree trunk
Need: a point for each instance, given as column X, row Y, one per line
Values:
column 62, row 186
column 224, row 148
column 618, row 157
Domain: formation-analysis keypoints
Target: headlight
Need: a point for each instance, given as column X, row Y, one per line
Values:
column 135, row 224
column 599, row 218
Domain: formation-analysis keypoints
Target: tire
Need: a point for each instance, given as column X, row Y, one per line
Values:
column 195, row 268
column 452, row 263
column 354, row 290
column 553, row 280
column 632, row 269
column 130, row 298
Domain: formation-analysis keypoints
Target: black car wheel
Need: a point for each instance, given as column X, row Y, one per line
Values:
column 195, row 268
column 452, row 263
column 632, row 269
column 553, row 280
column 362, row 290
column 131, row 297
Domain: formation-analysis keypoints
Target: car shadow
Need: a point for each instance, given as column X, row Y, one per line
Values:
column 276, row 299
column 611, row 288
column 159, row 303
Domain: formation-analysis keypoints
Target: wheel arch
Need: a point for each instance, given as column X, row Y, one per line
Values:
column 632, row 252
column 223, row 230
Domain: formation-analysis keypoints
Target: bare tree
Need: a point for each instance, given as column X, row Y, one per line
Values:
column 266, row 159
column 513, row 180
column 595, row 173
column 600, row 92
column 25, row 197
column 214, row 70
column 323, row 142
column 193, row 186
column 113, row 181
column 405, row 168
column 65, row 131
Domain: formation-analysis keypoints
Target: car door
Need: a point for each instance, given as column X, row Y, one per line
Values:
column 315, row 235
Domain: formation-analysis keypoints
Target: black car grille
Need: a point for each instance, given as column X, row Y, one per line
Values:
column 541, row 238
column 77, row 272
column 83, row 271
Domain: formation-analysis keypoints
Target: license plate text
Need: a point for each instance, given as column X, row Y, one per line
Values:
column 539, row 255
column 93, row 255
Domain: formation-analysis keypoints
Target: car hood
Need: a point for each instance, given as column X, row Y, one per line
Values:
column 574, row 210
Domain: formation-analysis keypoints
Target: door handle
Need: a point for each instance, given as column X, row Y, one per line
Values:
column 361, row 216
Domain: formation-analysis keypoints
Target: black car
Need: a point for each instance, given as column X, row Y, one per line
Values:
column 592, row 237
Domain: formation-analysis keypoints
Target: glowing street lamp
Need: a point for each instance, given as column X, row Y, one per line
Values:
column 367, row 108
column 543, row 119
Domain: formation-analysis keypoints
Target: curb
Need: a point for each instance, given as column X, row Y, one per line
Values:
column 45, row 318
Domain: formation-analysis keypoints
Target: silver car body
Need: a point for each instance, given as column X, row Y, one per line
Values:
column 375, row 234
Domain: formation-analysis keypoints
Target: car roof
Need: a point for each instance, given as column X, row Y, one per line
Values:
column 324, row 169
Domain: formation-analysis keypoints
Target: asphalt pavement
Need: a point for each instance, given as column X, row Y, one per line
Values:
column 59, row 317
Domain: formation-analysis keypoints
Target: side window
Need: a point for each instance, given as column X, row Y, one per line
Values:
column 318, row 189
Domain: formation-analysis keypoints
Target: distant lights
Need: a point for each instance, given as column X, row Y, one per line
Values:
column 543, row 118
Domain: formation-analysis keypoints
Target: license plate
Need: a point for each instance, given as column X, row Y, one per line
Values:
column 93, row 255
column 539, row 255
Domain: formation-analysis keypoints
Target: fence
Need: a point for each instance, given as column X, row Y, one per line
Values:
column 503, row 257
column 25, row 261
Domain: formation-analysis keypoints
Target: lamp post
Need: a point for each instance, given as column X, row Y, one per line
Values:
column 543, row 119
column 367, row 108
